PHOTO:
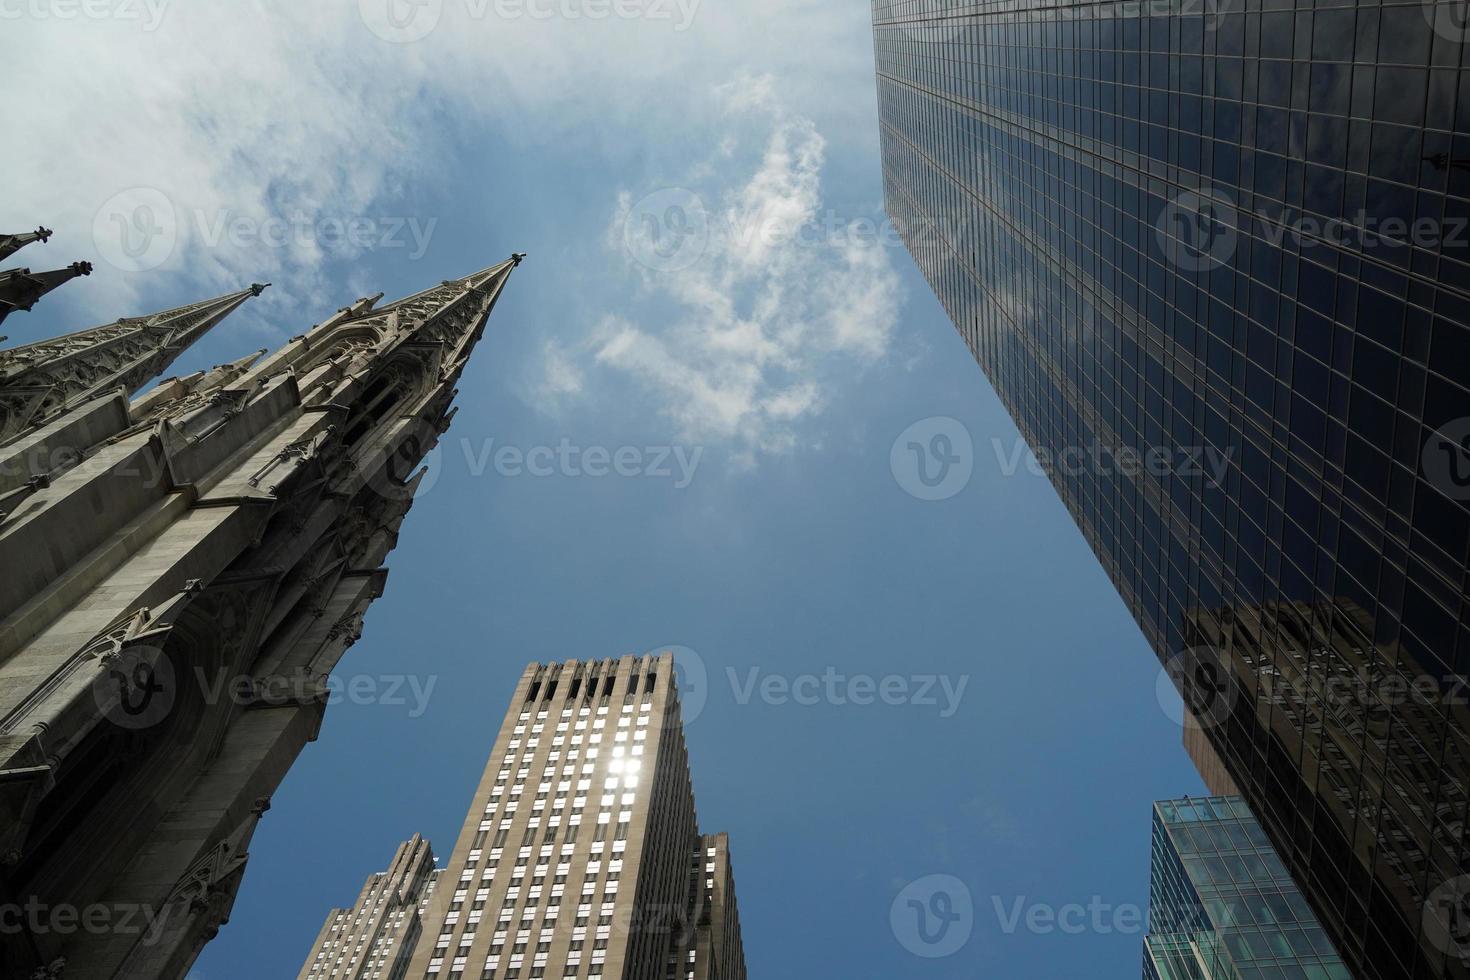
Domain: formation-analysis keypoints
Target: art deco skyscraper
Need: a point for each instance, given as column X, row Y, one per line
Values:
column 580, row 855
column 376, row 937
column 182, row 571
column 1236, row 231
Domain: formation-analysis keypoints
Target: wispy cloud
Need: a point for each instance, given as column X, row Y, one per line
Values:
column 223, row 143
column 258, row 131
column 760, row 299
column 216, row 144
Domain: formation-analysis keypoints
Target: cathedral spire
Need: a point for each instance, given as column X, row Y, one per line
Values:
column 451, row 315
column 234, row 520
column 10, row 244
column 20, row 288
column 441, row 323
column 38, row 379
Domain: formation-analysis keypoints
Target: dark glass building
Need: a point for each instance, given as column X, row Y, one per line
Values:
column 1217, row 259
column 1222, row 905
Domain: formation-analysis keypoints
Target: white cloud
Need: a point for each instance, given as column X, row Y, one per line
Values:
column 266, row 126
column 259, row 119
column 212, row 111
column 778, row 302
column 561, row 376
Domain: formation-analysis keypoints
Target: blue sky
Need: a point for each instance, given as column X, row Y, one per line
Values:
column 687, row 188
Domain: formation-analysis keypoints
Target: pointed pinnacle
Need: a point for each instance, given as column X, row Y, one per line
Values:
column 21, row 288
column 128, row 353
column 10, row 244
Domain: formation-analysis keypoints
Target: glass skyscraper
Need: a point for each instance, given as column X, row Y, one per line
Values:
column 1216, row 256
column 1222, row 905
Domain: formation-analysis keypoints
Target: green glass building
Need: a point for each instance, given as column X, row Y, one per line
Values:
column 1222, row 906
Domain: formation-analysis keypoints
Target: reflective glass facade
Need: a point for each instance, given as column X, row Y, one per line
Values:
column 1180, row 235
column 1222, row 905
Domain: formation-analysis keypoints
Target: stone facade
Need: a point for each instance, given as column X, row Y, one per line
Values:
column 39, row 380
column 712, row 949
column 182, row 573
column 580, row 855
column 374, row 939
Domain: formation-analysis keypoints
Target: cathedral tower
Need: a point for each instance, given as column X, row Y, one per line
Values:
column 182, row 573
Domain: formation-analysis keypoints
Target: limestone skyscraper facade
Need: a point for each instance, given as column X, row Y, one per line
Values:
column 580, row 856
column 376, row 937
